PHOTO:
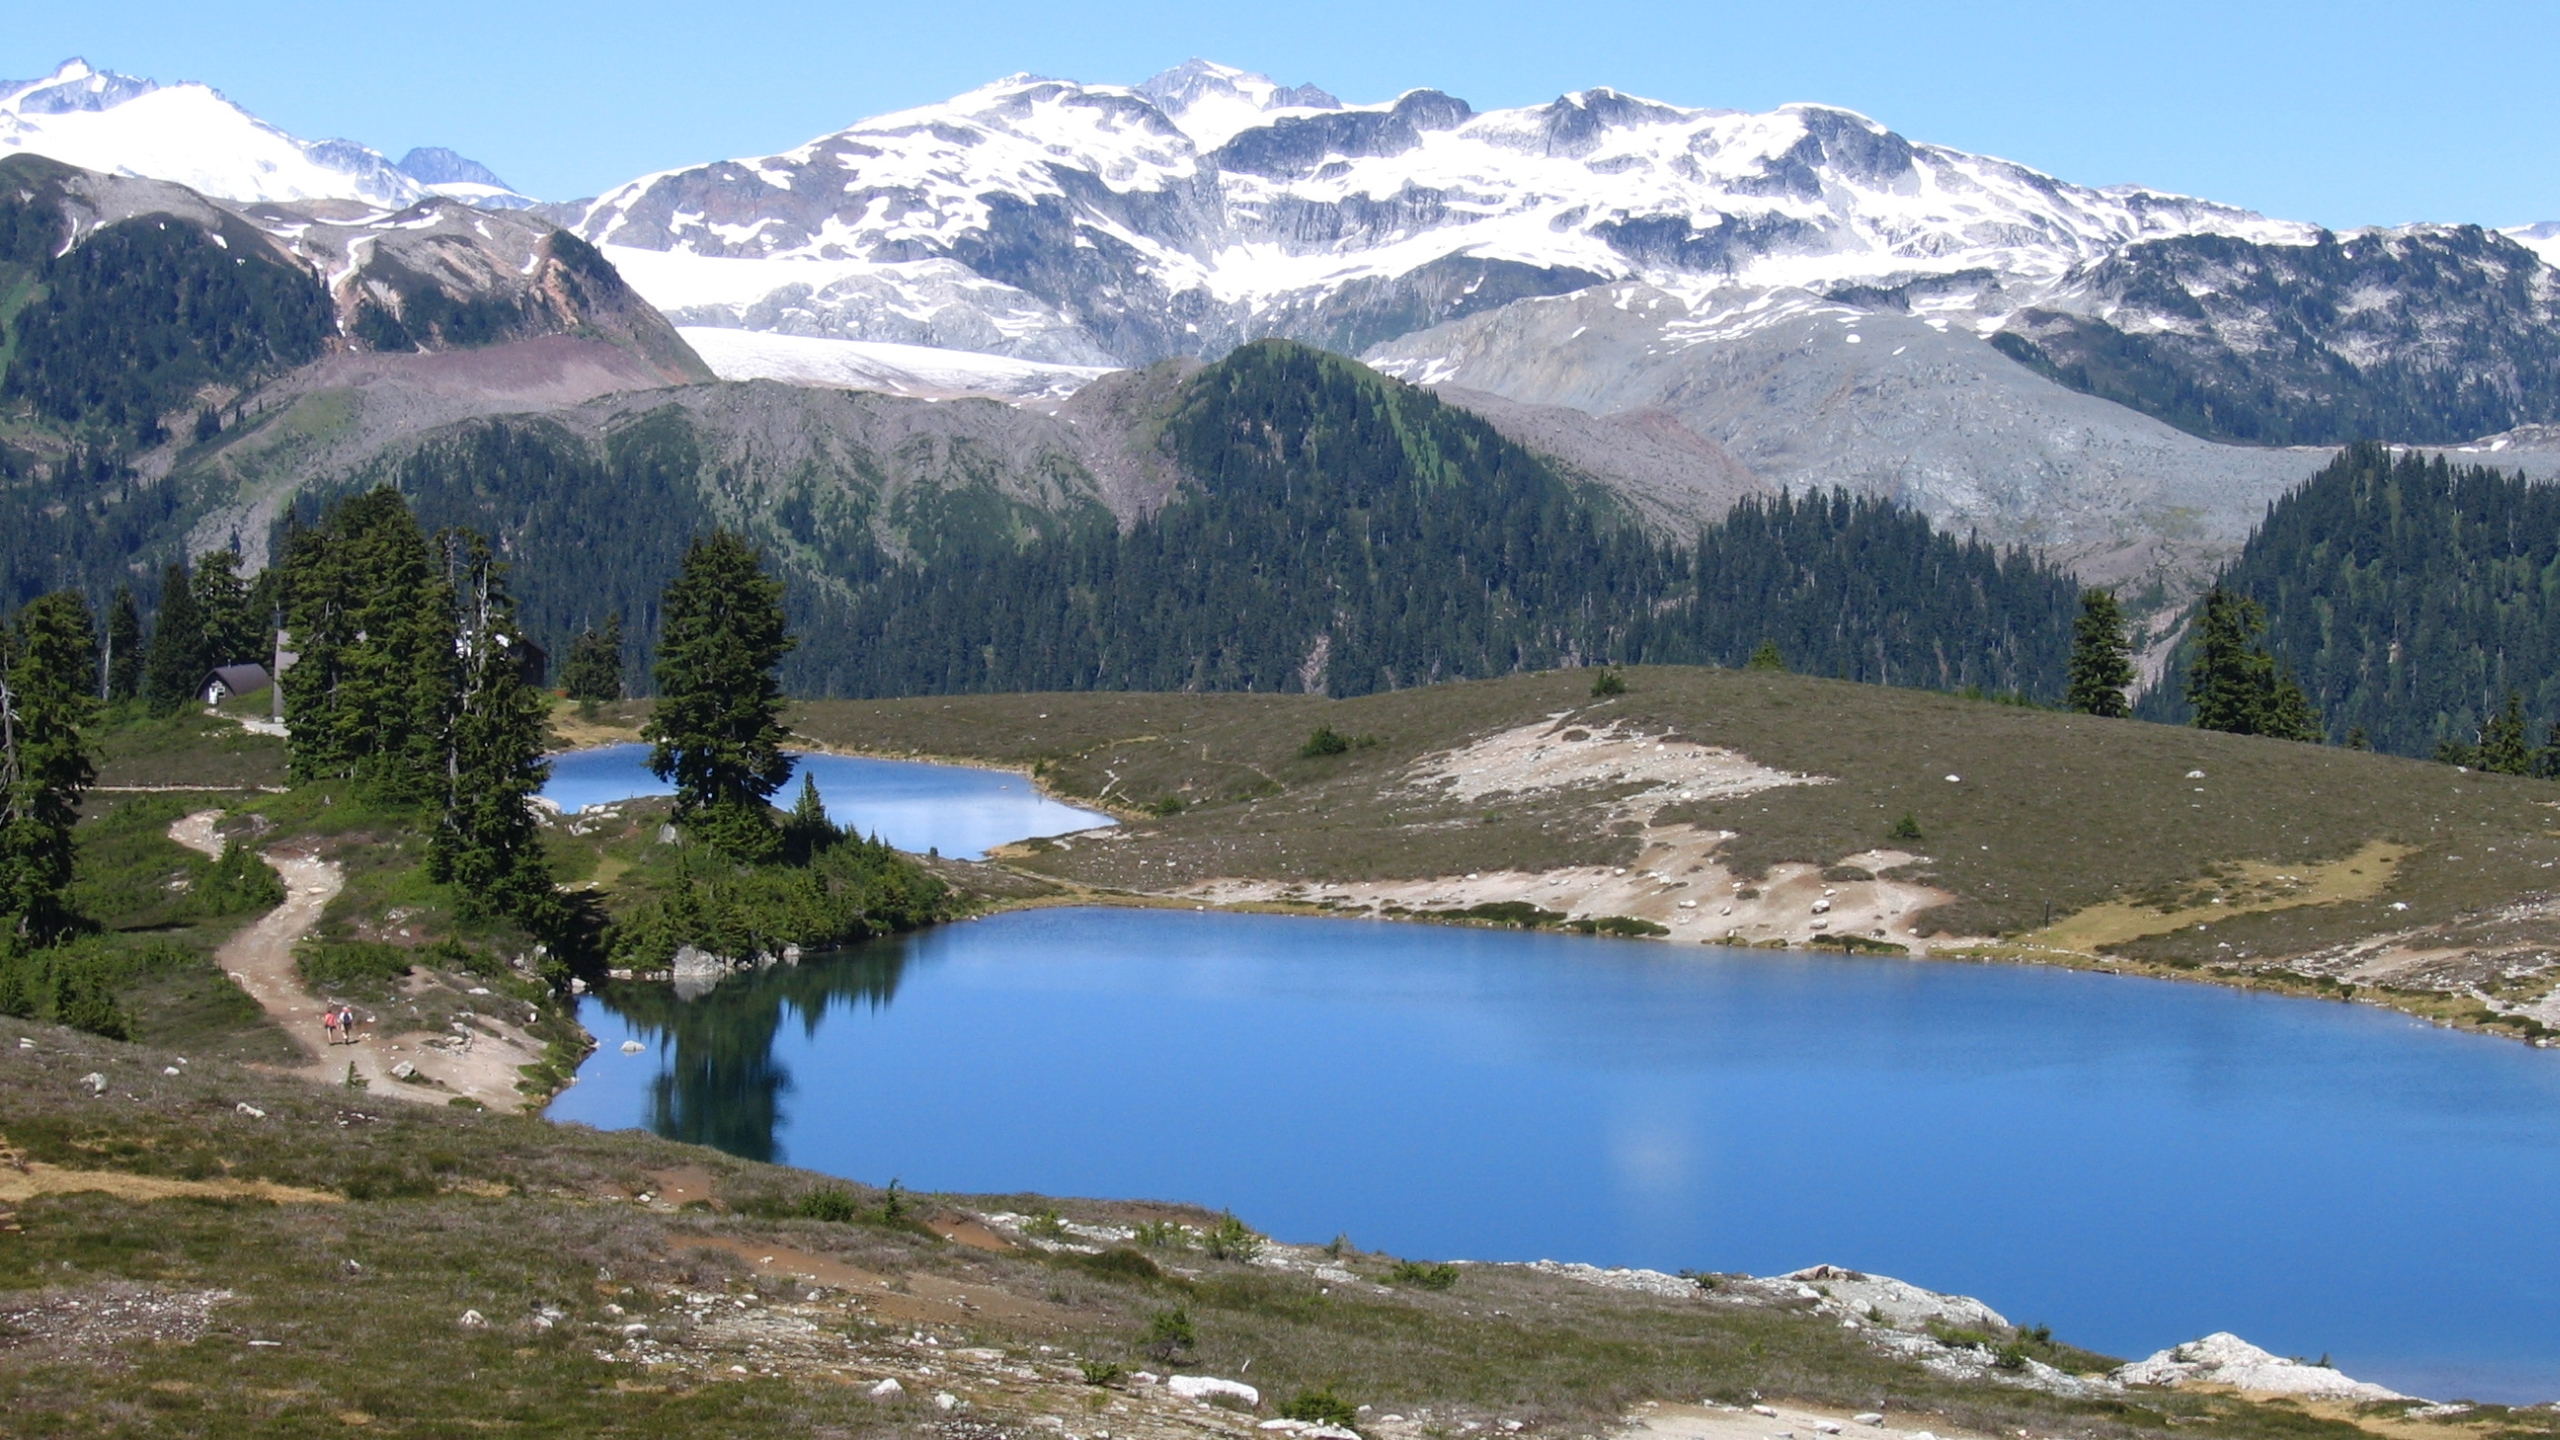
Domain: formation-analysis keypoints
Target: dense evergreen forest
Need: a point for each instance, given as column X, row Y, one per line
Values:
column 128, row 325
column 1340, row 530
column 2408, row 596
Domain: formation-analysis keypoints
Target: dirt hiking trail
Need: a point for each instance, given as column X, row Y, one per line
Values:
column 260, row 960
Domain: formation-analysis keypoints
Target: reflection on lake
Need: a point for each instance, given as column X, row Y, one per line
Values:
column 2136, row 1162
column 957, row 809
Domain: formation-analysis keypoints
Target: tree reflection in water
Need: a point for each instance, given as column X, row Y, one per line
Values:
column 720, row 1084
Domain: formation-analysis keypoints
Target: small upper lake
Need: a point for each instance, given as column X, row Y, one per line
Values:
column 2135, row 1162
column 954, row 809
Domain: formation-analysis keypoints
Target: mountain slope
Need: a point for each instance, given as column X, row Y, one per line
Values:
column 1207, row 207
column 1281, row 520
column 2408, row 595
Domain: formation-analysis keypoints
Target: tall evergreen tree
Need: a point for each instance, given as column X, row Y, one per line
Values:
column 176, row 661
column 594, row 667
column 486, row 844
column 48, row 684
column 233, row 630
column 124, row 647
column 2235, row 685
column 372, row 619
column 717, row 730
column 2502, row 749
column 2228, row 681
column 2101, row 657
column 807, row 832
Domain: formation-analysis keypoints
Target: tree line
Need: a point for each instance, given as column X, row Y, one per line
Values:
column 2409, row 598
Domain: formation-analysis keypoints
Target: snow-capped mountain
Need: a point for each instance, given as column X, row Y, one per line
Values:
column 1208, row 206
column 192, row 135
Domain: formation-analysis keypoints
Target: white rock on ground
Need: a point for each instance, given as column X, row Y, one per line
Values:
column 1201, row 1387
column 2225, row 1359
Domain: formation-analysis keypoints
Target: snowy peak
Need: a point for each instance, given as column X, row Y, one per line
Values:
column 459, row 177
column 193, row 135
column 1207, row 206
column 74, row 85
column 2542, row 238
column 1213, row 102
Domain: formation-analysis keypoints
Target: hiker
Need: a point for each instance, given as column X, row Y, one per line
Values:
column 329, row 1023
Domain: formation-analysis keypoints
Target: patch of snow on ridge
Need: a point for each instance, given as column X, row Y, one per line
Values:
column 2542, row 239
column 2223, row 1358
column 872, row 365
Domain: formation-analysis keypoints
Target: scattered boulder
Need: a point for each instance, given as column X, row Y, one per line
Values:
column 252, row 1111
column 473, row 1320
column 885, row 1391
column 1203, row 1387
column 1868, row 1418
column 404, row 1071
column 94, row 1083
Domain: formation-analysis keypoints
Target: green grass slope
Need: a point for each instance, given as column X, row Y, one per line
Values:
column 2051, row 814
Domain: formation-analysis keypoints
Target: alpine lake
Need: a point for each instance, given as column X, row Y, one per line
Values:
column 2136, row 1163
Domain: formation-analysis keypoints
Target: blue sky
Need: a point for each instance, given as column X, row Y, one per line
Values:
column 2345, row 113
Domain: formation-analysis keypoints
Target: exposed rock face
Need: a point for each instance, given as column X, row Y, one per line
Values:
column 2223, row 1358
column 1207, row 207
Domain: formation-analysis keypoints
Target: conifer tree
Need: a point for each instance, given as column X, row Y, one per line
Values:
column 124, row 647
column 486, row 844
column 2502, row 749
column 2235, row 685
column 176, row 659
column 2287, row 713
column 2101, row 658
column 372, row 618
column 806, row 831
column 717, row 730
column 48, row 681
column 1766, row 657
column 232, row 629
column 594, row 667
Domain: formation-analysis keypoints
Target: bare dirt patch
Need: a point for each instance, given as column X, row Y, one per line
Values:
column 1558, row 755
column 482, row 1065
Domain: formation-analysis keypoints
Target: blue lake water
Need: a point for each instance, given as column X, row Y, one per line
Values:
column 2135, row 1162
column 955, row 809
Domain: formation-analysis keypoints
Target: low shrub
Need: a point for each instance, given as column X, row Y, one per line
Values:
column 1325, row 741
column 1102, row 1372
column 1169, row 1333
column 1046, row 1225
column 337, row 964
column 1232, row 1239
column 1622, row 926
column 1121, row 1263
column 833, row 1204
column 1608, row 683
column 1163, row 1235
column 1423, row 1276
column 1511, row 912
column 1320, row 1407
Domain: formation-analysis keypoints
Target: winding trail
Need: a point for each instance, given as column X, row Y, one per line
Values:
column 260, row 960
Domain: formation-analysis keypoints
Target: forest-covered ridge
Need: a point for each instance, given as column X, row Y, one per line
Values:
column 2408, row 595
column 1331, row 529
